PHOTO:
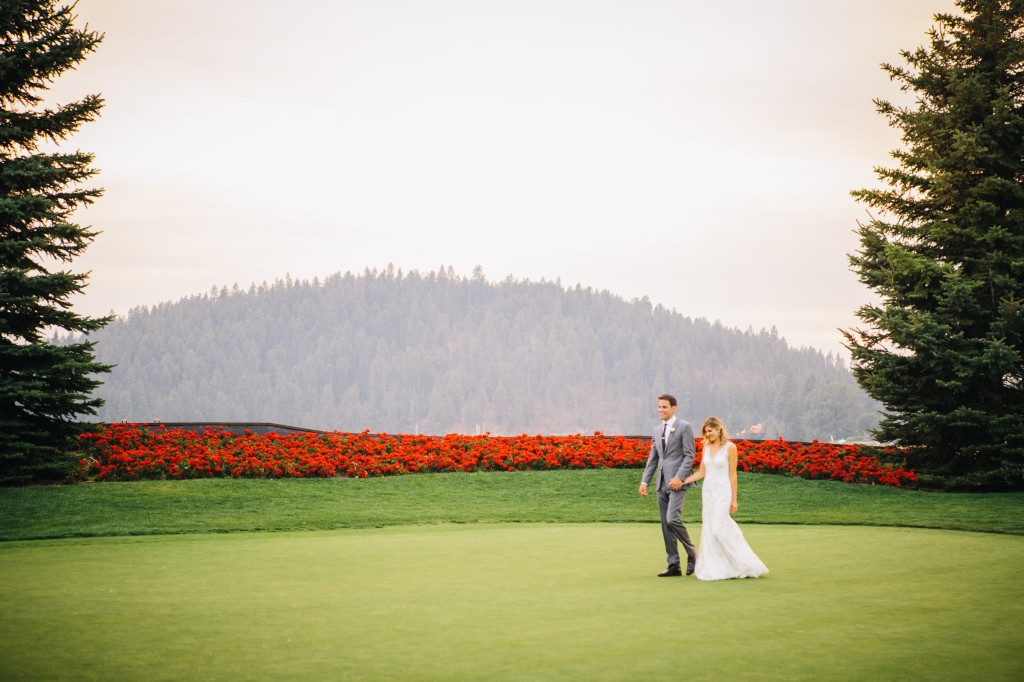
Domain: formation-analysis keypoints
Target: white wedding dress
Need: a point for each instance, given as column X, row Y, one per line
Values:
column 723, row 552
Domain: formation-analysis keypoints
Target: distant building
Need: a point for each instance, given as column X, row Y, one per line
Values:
column 754, row 432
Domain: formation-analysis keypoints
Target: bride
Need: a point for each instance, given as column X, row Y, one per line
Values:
column 723, row 552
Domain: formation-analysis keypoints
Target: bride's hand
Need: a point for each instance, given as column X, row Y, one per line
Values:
column 733, row 507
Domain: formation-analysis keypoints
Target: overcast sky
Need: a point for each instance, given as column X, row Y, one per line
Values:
column 700, row 154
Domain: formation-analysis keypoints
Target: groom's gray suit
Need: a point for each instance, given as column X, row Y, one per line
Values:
column 672, row 459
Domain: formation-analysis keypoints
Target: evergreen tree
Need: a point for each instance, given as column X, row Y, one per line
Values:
column 943, row 349
column 44, row 386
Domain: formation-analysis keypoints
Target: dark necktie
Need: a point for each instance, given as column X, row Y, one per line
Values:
column 664, row 429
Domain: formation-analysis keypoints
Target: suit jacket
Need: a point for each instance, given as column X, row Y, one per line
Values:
column 674, row 459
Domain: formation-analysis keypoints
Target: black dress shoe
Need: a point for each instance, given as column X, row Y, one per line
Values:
column 689, row 566
column 673, row 569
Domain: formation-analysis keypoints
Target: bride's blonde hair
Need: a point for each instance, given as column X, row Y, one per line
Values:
column 715, row 423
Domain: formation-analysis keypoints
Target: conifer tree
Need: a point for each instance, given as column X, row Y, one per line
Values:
column 943, row 348
column 44, row 386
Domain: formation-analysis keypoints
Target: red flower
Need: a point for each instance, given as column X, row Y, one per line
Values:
column 129, row 452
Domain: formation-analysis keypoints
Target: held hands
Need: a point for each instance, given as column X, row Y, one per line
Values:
column 676, row 484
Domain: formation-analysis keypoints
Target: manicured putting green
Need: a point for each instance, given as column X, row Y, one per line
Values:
column 511, row 601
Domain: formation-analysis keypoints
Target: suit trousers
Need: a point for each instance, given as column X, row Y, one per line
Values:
column 670, row 505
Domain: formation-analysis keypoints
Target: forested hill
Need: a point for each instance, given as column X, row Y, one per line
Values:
column 438, row 353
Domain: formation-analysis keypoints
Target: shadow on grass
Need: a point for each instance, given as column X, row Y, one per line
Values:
column 229, row 505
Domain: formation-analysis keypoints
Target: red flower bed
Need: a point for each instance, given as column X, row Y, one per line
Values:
column 818, row 460
column 121, row 452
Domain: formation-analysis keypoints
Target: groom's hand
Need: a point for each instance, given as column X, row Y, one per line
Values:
column 643, row 490
column 676, row 483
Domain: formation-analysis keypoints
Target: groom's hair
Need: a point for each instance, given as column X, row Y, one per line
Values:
column 669, row 397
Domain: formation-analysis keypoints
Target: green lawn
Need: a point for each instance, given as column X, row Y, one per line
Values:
column 511, row 602
column 227, row 505
column 506, row 576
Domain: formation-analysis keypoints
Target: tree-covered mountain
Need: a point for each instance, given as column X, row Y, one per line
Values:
column 437, row 353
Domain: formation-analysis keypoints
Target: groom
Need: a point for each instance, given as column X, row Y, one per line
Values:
column 672, row 452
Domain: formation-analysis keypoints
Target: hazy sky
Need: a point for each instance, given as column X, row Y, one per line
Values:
column 700, row 154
